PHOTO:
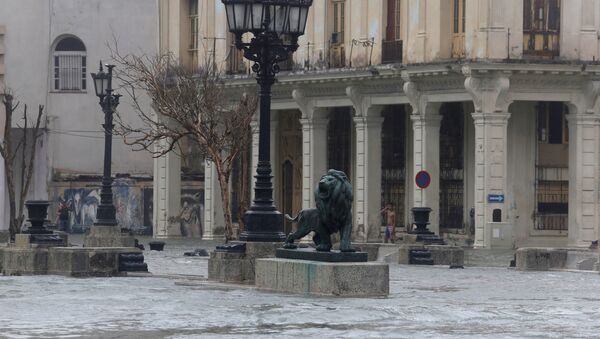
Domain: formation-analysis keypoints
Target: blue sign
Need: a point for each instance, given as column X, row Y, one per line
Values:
column 495, row 198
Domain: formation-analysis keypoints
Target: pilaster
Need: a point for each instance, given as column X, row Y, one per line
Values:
column 314, row 145
column 167, row 195
column 584, row 166
column 367, row 180
column 426, row 151
column 489, row 92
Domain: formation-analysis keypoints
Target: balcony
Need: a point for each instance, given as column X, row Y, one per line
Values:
column 541, row 43
column 391, row 52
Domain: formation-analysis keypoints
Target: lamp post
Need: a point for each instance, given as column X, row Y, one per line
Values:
column 276, row 26
column 106, row 215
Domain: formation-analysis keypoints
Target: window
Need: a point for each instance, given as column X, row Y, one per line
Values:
column 458, row 29
column 339, row 8
column 193, row 21
column 393, row 20
column 70, row 65
column 391, row 48
column 552, row 123
column 541, row 27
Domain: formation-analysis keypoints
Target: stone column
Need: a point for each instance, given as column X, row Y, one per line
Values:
column 214, row 221
column 491, row 147
column 314, row 146
column 584, row 167
column 426, row 157
column 367, row 184
column 167, row 196
column 367, row 176
column 426, row 151
column 489, row 92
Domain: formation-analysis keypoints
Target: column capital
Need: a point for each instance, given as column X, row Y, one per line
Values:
column 588, row 99
column 489, row 91
column 368, row 121
column 491, row 118
column 583, row 119
column 307, row 105
column 363, row 103
column 431, row 119
column 313, row 123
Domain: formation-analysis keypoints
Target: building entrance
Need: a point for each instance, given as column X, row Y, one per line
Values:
column 452, row 185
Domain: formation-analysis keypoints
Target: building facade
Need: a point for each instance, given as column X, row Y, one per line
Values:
column 497, row 100
column 47, row 51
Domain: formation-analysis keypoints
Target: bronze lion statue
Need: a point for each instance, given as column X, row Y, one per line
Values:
column 333, row 197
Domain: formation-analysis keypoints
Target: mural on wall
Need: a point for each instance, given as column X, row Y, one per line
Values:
column 190, row 216
column 77, row 208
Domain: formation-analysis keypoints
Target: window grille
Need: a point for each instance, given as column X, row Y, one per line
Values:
column 70, row 65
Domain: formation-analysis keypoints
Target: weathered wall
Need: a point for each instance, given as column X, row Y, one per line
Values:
column 133, row 200
column 73, row 144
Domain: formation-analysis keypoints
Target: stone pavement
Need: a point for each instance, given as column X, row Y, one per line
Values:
column 424, row 302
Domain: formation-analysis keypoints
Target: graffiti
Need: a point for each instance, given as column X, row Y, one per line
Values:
column 190, row 216
column 192, row 212
column 82, row 205
column 77, row 208
column 127, row 205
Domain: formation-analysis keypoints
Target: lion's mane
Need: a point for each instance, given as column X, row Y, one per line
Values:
column 335, row 209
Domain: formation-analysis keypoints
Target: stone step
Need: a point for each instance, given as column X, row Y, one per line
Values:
column 132, row 262
column 421, row 261
column 420, row 257
column 420, row 253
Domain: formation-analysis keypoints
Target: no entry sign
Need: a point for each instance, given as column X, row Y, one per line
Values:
column 423, row 179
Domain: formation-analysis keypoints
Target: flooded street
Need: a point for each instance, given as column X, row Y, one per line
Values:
column 424, row 302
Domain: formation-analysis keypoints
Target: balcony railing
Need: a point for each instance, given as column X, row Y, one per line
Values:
column 391, row 51
column 543, row 44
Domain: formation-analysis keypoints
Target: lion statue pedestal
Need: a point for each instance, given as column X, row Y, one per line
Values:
column 322, row 271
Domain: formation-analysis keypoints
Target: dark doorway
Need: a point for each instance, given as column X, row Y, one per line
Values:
column 452, row 132
column 393, row 159
column 339, row 135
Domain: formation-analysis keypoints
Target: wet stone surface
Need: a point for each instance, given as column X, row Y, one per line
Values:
column 432, row 302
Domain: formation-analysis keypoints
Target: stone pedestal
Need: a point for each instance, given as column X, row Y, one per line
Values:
column 540, row 258
column 67, row 261
column 107, row 236
column 236, row 267
column 452, row 256
column 357, row 279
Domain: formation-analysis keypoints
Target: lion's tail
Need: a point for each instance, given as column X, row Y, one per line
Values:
column 294, row 219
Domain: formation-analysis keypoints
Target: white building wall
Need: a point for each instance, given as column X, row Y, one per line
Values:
column 76, row 133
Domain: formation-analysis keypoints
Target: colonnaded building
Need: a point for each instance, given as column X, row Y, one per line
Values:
column 497, row 100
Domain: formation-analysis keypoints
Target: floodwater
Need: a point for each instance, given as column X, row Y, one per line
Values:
column 426, row 302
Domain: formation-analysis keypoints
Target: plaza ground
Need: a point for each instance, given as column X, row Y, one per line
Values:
column 177, row 302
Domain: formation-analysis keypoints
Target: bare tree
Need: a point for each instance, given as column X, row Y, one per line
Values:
column 9, row 153
column 185, row 103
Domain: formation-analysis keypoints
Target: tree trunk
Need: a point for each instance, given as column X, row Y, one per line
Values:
column 224, row 183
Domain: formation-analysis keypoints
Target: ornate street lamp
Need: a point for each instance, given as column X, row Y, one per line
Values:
column 106, row 215
column 276, row 26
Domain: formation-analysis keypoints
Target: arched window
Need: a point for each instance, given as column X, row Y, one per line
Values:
column 70, row 65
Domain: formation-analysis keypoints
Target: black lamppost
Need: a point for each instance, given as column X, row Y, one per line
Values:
column 276, row 26
column 108, row 101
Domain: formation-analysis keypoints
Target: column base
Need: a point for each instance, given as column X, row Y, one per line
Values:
column 107, row 236
column 263, row 226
